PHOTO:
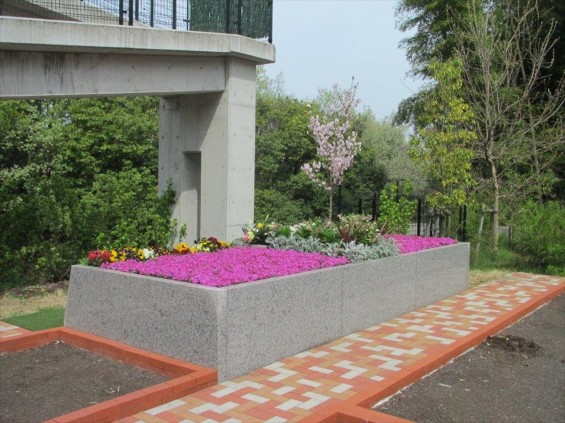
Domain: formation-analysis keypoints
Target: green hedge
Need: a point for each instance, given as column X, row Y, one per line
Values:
column 539, row 235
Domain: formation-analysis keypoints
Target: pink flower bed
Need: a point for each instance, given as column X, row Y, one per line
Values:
column 413, row 243
column 228, row 267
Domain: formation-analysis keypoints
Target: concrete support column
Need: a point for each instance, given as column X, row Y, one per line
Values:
column 207, row 151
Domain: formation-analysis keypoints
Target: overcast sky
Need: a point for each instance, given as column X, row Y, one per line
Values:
column 321, row 42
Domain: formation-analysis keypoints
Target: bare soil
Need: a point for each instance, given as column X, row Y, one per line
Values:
column 516, row 376
column 55, row 379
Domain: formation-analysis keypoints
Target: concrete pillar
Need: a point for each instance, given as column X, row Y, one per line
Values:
column 207, row 151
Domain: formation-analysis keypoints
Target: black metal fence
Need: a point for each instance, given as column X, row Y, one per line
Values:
column 425, row 221
column 250, row 18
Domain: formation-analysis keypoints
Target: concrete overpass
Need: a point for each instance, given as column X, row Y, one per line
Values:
column 206, row 82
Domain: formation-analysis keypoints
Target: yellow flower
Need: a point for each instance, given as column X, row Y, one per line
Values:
column 181, row 246
column 260, row 225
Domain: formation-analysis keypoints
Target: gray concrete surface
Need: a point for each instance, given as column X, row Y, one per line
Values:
column 207, row 110
column 207, row 149
column 243, row 327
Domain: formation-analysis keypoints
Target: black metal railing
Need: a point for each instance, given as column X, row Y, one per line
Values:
column 425, row 220
column 250, row 18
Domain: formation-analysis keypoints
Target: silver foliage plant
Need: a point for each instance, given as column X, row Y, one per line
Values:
column 354, row 251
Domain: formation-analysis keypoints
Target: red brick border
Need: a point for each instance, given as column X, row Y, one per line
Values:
column 186, row 377
column 357, row 409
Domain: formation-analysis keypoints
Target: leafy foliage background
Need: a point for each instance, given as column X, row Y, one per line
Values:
column 76, row 175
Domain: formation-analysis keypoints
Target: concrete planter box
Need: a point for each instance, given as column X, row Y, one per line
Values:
column 243, row 327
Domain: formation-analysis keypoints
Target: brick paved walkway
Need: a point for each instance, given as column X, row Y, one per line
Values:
column 10, row 331
column 339, row 381
column 334, row 382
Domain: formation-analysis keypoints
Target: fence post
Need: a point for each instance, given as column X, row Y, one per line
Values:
column 270, row 21
column 419, row 217
column 121, row 15
column 174, row 14
column 360, row 206
column 137, row 10
column 460, row 225
column 239, row 17
column 374, row 207
column 130, row 13
column 465, row 223
column 152, row 14
column 227, row 31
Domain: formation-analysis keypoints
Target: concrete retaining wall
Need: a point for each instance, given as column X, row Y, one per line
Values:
column 243, row 327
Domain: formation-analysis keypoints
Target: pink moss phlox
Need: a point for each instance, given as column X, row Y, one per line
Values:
column 228, row 267
column 413, row 243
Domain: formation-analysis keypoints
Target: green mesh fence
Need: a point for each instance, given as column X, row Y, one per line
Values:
column 251, row 18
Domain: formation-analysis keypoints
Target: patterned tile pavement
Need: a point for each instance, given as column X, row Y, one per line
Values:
column 308, row 386
column 10, row 331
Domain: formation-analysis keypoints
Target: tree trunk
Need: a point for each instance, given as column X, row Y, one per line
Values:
column 441, row 226
column 331, row 204
column 537, row 170
column 480, row 232
column 496, row 204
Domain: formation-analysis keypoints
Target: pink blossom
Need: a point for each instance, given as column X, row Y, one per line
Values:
column 336, row 143
column 230, row 266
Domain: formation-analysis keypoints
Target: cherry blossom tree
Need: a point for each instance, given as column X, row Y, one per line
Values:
column 336, row 142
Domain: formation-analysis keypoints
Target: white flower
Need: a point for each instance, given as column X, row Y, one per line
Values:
column 148, row 253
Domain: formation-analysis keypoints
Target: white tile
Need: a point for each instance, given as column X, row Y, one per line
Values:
column 309, row 383
column 255, row 398
column 341, row 388
column 165, row 407
column 225, row 407
column 284, row 390
column 287, row 405
column 320, row 370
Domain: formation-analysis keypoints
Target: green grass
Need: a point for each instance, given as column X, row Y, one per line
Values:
column 46, row 318
column 504, row 260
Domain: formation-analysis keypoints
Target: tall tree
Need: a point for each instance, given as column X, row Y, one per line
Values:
column 444, row 133
column 434, row 37
column 431, row 25
column 390, row 146
column 506, row 50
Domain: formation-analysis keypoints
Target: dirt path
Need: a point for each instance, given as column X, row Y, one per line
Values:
column 516, row 377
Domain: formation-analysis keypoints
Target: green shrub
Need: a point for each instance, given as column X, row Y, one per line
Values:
column 539, row 235
column 395, row 216
column 123, row 209
column 320, row 228
column 76, row 175
column 283, row 231
column 278, row 206
column 358, row 228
